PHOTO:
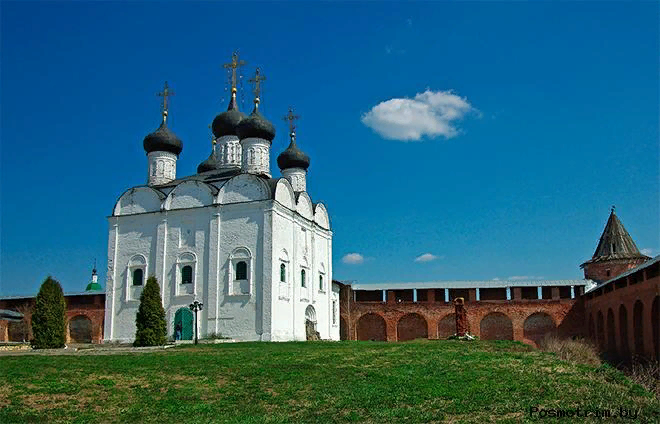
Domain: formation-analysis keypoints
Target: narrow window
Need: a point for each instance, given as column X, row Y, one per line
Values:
column 283, row 273
column 302, row 278
column 138, row 277
column 613, row 248
column 320, row 282
column 241, row 271
column 186, row 275
column 334, row 312
column 608, row 272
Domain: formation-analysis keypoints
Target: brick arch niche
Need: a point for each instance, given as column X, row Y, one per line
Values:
column 638, row 327
column 611, row 334
column 624, row 348
column 371, row 327
column 537, row 325
column 447, row 326
column 412, row 326
column 496, row 326
column 80, row 329
column 600, row 330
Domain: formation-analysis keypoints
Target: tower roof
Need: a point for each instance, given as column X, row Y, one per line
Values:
column 211, row 163
column 615, row 243
column 292, row 156
column 163, row 139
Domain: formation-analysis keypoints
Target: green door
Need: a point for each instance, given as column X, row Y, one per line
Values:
column 184, row 316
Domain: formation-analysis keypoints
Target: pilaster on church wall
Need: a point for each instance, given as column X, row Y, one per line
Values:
column 282, row 297
column 111, row 288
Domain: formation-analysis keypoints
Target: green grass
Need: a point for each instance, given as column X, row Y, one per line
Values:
column 324, row 382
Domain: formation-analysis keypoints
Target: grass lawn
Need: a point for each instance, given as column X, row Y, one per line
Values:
column 324, row 382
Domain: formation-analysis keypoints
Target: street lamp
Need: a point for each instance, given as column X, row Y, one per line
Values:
column 195, row 307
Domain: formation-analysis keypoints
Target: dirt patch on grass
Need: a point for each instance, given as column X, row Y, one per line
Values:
column 4, row 396
column 42, row 402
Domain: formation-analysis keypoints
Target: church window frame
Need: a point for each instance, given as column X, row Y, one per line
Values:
column 322, row 281
column 241, row 286
column 303, row 276
column 334, row 312
column 284, row 290
column 184, row 285
column 137, row 262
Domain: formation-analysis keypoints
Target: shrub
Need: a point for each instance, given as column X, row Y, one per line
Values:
column 646, row 373
column 578, row 350
column 150, row 318
column 49, row 317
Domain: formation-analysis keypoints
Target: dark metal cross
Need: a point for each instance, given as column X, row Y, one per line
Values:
column 258, row 78
column 291, row 118
column 165, row 94
column 233, row 65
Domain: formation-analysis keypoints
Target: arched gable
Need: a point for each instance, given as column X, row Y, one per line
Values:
column 138, row 200
column 284, row 194
column 243, row 188
column 304, row 206
column 321, row 216
column 190, row 194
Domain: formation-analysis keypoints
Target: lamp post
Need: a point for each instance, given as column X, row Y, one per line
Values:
column 196, row 307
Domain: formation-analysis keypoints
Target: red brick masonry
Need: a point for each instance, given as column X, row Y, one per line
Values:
column 526, row 320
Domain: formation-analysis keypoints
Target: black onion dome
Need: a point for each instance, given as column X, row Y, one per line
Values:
column 293, row 157
column 210, row 164
column 256, row 126
column 226, row 122
column 163, row 140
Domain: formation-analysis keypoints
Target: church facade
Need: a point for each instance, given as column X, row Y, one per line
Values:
column 255, row 250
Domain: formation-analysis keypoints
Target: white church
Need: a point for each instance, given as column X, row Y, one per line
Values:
column 255, row 250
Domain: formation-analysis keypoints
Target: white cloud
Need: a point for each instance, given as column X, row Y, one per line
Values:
column 353, row 258
column 648, row 252
column 496, row 279
column 426, row 257
column 524, row 277
column 429, row 114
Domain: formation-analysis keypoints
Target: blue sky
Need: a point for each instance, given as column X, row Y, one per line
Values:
column 493, row 137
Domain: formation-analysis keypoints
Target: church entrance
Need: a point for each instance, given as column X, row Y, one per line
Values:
column 183, row 321
column 310, row 324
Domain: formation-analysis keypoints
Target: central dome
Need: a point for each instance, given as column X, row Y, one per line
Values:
column 226, row 122
column 256, row 126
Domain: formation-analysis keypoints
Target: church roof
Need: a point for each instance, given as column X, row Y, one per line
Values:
column 615, row 243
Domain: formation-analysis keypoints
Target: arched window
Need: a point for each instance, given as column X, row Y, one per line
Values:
column 138, row 277
column 283, row 273
column 187, row 275
column 302, row 278
column 320, row 282
column 241, row 270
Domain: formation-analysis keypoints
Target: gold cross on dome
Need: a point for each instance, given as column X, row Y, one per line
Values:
column 233, row 65
column 258, row 78
column 291, row 118
column 165, row 94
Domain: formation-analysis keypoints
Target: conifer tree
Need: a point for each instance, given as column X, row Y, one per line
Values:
column 150, row 318
column 49, row 317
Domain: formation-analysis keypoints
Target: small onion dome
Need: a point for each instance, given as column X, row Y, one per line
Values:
column 92, row 286
column 210, row 164
column 163, row 140
column 293, row 157
column 226, row 122
column 256, row 126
